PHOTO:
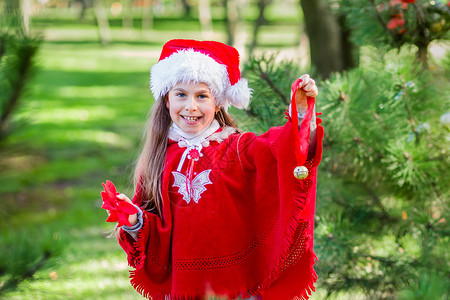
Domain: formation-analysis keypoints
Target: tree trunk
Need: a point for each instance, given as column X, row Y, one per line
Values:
column 204, row 12
column 84, row 6
column 235, row 25
column 102, row 22
column 232, row 19
column 127, row 17
column 329, row 45
column 349, row 50
column 147, row 15
column 11, row 7
column 424, row 36
column 186, row 8
column 261, row 20
column 26, row 13
column 422, row 54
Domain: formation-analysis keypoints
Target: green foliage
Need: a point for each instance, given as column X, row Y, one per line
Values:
column 23, row 256
column 400, row 123
column 428, row 286
column 385, row 144
column 381, row 216
column 392, row 24
column 271, row 82
column 17, row 54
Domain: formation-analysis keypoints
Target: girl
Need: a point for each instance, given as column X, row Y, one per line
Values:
column 221, row 213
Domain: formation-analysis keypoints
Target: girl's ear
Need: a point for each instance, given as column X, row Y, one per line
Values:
column 166, row 99
column 216, row 109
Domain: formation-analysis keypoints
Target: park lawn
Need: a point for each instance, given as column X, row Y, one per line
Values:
column 80, row 124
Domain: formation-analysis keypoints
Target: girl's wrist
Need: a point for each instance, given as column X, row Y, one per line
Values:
column 133, row 219
column 301, row 109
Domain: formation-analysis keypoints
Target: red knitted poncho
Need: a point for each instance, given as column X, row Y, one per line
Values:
column 246, row 228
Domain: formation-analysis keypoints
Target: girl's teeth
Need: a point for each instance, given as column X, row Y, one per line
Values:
column 192, row 119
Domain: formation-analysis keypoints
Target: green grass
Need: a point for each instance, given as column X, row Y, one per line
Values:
column 79, row 124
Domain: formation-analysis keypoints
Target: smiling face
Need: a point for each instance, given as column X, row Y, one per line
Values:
column 191, row 106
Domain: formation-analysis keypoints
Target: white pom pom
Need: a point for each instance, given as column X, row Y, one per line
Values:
column 239, row 94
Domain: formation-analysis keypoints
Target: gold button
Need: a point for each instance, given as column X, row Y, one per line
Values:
column 301, row 172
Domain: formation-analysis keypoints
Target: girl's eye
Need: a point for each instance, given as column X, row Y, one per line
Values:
column 202, row 96
column 180, row 95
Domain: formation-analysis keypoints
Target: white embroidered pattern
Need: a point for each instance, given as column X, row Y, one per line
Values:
column 191, row 190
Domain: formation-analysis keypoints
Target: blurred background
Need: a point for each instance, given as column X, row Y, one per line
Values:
column 74, row 97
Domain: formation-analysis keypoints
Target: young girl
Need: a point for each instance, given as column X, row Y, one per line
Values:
column 221, row 213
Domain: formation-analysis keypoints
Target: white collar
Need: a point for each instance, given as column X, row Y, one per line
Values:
column 187, row 139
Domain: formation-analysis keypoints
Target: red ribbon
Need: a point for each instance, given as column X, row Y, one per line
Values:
column 301, row 141
column 119, row 210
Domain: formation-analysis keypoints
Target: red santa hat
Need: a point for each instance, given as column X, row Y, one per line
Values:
column 213, row 63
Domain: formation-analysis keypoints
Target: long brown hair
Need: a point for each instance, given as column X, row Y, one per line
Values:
column 151, row 161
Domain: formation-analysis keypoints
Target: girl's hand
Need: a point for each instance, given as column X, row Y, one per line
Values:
column 307, row 88
column 131, row 218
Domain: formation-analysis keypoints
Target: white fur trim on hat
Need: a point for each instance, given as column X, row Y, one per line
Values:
column 191, row 66
column 239, row 94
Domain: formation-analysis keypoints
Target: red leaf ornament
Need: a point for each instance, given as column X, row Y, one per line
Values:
column 118, row 210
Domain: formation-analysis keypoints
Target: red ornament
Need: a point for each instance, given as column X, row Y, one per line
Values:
column 119, row 210
column 397, row 21
column 409, row 1
column 394, row 2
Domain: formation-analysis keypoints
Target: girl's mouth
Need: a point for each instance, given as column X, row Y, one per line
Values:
column 190, row 118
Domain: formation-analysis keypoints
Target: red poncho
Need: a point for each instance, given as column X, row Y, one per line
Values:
column 241, row 225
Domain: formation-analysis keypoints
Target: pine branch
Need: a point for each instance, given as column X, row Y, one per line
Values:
column 378, row 202
column 2, row 47
column 361, row 143
column 384, row 260
column 12, row 283
column 436, row 191
column 25, row 54
column 380, row 19
column 264, row 76
column 382, row 215
column 411, row 120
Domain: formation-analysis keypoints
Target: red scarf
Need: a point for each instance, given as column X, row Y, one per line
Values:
column 249, row 231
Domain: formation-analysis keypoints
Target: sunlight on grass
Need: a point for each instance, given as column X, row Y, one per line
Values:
column 96, row 91
column 97, row 136
column 82, row 277
column 96, row 266
column 72, row 34
column 66, row 115
column 96, row 58
column 19, row 162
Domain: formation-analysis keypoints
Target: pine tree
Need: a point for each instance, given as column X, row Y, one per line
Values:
column 21, row 257
column 381, row 224
column 17, row 52
column 384, row 224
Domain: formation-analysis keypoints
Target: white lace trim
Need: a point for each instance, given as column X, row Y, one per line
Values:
column 202, row 138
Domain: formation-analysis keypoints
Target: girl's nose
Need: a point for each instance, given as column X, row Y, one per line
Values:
column 191, row 105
